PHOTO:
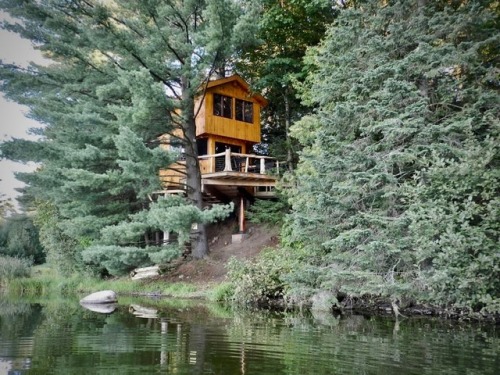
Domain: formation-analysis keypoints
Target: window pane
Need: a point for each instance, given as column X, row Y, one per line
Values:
column 239, row 109
column 244, row 110
column 248, row 115
column 227, row 107
column 217, row 105
column 223, row 106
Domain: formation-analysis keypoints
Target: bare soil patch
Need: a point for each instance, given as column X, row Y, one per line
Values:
column 213, row 268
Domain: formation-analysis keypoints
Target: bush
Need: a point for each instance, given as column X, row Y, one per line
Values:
column 19, row 239
column 11, row 268
column 261, row 281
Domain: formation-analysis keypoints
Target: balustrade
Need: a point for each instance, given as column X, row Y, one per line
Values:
column 235, row 162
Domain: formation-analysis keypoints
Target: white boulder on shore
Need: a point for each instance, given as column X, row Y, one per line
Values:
column 104, row 296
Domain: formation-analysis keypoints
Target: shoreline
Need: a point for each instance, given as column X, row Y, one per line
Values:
column 41, row 286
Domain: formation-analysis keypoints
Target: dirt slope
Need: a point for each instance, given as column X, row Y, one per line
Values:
column 212, row 268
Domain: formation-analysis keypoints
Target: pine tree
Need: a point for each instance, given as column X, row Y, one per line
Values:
column 397, row 187
column 126, row 73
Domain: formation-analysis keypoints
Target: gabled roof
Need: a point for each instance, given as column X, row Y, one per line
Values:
column 242, row 83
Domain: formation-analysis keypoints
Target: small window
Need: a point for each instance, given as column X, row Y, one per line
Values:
column 223, row 106
column 244, row 111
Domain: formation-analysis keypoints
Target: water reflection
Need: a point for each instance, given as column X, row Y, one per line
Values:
column 102, row 308
column 192, row 338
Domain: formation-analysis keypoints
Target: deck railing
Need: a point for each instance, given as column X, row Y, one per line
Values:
column 232, row 161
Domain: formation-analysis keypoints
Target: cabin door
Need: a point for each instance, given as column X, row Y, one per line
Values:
column 220, row 160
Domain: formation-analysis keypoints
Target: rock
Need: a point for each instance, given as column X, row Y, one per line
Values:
column 104, row 296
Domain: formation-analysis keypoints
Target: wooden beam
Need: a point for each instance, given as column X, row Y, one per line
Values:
column 242, row 215
column 237, row 182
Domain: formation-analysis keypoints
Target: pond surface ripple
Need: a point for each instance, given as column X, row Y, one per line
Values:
column 179, row 337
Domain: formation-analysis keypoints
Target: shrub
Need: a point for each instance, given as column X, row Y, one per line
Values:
column 261, row 281
column 11, row 268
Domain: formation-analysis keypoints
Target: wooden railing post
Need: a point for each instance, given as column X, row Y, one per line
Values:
column 227, row 166
column 212, row 169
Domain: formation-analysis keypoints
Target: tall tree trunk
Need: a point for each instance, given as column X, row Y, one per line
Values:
column 199, row 242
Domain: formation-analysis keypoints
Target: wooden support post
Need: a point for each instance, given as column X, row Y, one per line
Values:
column 227, row 166
column 242, row 215
column 166, row 235
column 262, row 166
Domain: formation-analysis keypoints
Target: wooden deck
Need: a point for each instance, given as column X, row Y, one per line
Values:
column 228, row 175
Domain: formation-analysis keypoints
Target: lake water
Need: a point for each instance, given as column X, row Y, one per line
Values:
column 186, row 337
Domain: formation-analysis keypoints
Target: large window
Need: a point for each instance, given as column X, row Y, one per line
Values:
column 223, row 106
column 244, row 111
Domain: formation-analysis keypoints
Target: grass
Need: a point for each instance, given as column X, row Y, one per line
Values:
column 45, row 281
column 222, row 292
column 11, row 268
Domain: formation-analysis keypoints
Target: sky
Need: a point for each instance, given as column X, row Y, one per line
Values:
column 13, row 122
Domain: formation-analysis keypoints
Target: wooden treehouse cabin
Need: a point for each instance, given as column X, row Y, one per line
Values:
column 227, row 128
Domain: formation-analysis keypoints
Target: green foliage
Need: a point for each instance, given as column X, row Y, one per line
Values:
column 168, row 214
column 45, row 281
column 119, row 260
column 260, row 281
column 12, row 268
column 285, row 29
column 223, row 292
column 62, row 251
column 396, row 192
column 124, row 74
column 456, row 226
column 270, row 212
column 19, row 239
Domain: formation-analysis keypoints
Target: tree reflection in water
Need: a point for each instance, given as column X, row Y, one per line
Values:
column 192, row 337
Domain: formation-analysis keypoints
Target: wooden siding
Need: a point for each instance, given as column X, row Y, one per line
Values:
column 171, row 178
column 209, row 124
column 227, row 169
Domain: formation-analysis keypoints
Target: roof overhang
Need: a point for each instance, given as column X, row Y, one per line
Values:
column 236, row 79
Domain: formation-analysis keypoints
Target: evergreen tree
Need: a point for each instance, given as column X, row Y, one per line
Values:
column 397, row 188
column 284, row 32
column 19, row 239
column 125, row 73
